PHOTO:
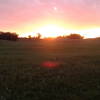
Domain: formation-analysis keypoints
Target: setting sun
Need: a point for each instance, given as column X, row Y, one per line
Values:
column 51, row 31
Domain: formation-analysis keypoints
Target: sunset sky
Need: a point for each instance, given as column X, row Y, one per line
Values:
column 29, row 16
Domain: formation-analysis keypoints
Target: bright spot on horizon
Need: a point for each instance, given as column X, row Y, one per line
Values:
column 54, row 31
column 51, row 31
column 91, row 33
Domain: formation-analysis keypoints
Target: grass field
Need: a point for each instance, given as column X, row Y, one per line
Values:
column 76, row 77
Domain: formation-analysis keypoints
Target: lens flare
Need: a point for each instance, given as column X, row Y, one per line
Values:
column 50, row 64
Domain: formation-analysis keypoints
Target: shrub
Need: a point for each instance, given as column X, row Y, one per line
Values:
column 75, row 36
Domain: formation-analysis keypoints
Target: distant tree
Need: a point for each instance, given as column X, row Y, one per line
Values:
column 29, row 36
column 38, row 36
column 74, row 36
column 14, row 37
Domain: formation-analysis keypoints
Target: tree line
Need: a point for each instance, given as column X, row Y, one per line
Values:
column 70, row 36
column 8, row 36
column 13, row 36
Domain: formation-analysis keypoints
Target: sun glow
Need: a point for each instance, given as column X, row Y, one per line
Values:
column 51, row 31
column 90, row 33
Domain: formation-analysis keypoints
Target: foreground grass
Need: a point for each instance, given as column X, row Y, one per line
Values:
column 22, row 77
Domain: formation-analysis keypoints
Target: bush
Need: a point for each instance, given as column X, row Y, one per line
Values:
column 75, row 36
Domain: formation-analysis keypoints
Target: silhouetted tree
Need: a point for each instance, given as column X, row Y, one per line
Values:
column 8, row 36
column 30, row 37
column 38, row 36
column 74, row 36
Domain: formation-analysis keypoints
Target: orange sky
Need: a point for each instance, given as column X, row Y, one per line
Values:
column 25, row 16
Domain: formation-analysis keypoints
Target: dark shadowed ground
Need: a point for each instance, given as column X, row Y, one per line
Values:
column 50, row 70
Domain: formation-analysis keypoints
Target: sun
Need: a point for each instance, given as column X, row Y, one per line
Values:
column 51, row 31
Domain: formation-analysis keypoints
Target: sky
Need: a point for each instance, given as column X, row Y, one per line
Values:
column 23, row 16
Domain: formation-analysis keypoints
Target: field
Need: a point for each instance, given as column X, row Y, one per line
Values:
column 75, row 77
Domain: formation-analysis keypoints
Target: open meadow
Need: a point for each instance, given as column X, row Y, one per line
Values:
column 50, row 70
